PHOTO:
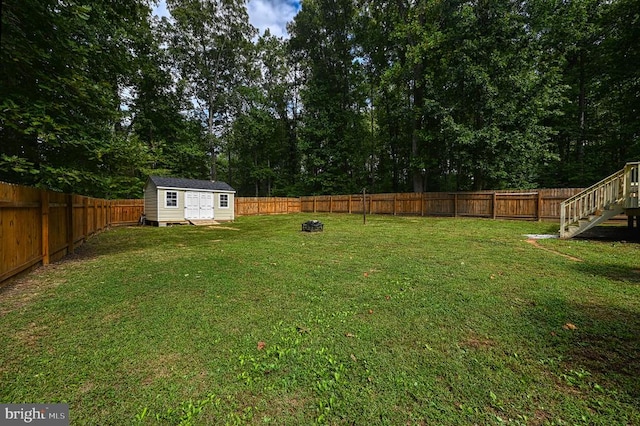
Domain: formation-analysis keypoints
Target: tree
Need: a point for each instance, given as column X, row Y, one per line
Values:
column 160, row 117
column 210, row 44
column 264, row 143
column 332, row 126
column 491, row 95
column 64, row 65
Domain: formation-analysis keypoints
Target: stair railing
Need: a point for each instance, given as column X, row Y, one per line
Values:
column 631, row 186
column 607, row 192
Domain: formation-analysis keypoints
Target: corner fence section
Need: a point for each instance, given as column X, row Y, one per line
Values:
column 38, row 227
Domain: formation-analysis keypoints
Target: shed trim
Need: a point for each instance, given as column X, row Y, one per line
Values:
column 196, row 189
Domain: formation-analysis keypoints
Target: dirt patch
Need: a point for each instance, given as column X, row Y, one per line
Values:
column 478, row 342
column 541, row 417
column 536, row 244
column 87, row 387
column 31, row 335
column 161, row 368
column 224, row 227
column 19, row 292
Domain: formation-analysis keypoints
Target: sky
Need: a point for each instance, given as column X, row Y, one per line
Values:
column 263, row 14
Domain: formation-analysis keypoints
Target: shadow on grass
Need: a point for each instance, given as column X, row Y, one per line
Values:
column 611, row 233
column 605, row 341
column 613, row 271
column 137, row 239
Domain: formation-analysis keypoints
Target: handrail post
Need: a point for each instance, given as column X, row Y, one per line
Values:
column 562, row 219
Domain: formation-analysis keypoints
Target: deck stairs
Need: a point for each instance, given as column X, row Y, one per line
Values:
column 612, row 196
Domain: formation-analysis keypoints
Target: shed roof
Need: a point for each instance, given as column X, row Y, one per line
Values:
column 169, row 182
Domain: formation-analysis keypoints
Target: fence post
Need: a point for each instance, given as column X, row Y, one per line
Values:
column 422, row 203
column 455, row 205
column 70, row 224
column 349, row 204
column 395, row 201
column 314, row 203
column 44, row 226
column 85, row 218
column 330, row 204
column 495, row 203
column 364, row 206
column 539, row 207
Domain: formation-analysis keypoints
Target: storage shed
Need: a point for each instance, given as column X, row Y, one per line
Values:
column 180, row 201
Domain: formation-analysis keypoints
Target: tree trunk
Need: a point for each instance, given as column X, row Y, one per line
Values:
column 213, row 172
column 418, row 98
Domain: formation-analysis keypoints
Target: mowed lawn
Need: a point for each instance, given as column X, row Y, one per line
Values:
column 399, row 321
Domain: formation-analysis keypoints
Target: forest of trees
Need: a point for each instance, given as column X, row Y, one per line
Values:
column 387, row 95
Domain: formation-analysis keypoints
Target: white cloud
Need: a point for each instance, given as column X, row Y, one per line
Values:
column 263, row 14
column 272, row 14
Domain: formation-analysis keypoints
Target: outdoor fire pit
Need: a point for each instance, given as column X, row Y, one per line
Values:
column 312, row 226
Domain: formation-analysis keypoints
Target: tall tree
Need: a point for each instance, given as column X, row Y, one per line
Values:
column 333, row 123
column 492, row 94
column 161, row 116
column 265, row 153
column 210, row 43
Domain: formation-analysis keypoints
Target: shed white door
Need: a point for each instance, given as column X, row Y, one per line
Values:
column 198, row 205
column 206, row 205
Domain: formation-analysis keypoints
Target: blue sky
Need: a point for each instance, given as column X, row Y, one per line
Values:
column 263, row 14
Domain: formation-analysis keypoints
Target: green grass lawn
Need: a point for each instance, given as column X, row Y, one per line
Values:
column 399, row 321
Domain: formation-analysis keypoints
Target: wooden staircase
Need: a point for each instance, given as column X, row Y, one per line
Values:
column 614, row 195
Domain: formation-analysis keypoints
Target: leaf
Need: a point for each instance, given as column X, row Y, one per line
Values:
column 349, row 335
column 569, row 326
column 261, row 345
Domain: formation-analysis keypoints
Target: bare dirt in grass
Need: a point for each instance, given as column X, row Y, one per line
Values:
column 536, row 244
column 19, row 291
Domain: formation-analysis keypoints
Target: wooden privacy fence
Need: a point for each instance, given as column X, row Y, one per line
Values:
column 527, row 205
column 39, row 227
column 249, row 206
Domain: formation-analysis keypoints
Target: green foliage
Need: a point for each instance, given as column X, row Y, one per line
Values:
column 209, row 45
column 384, row 95
column 332, row 129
